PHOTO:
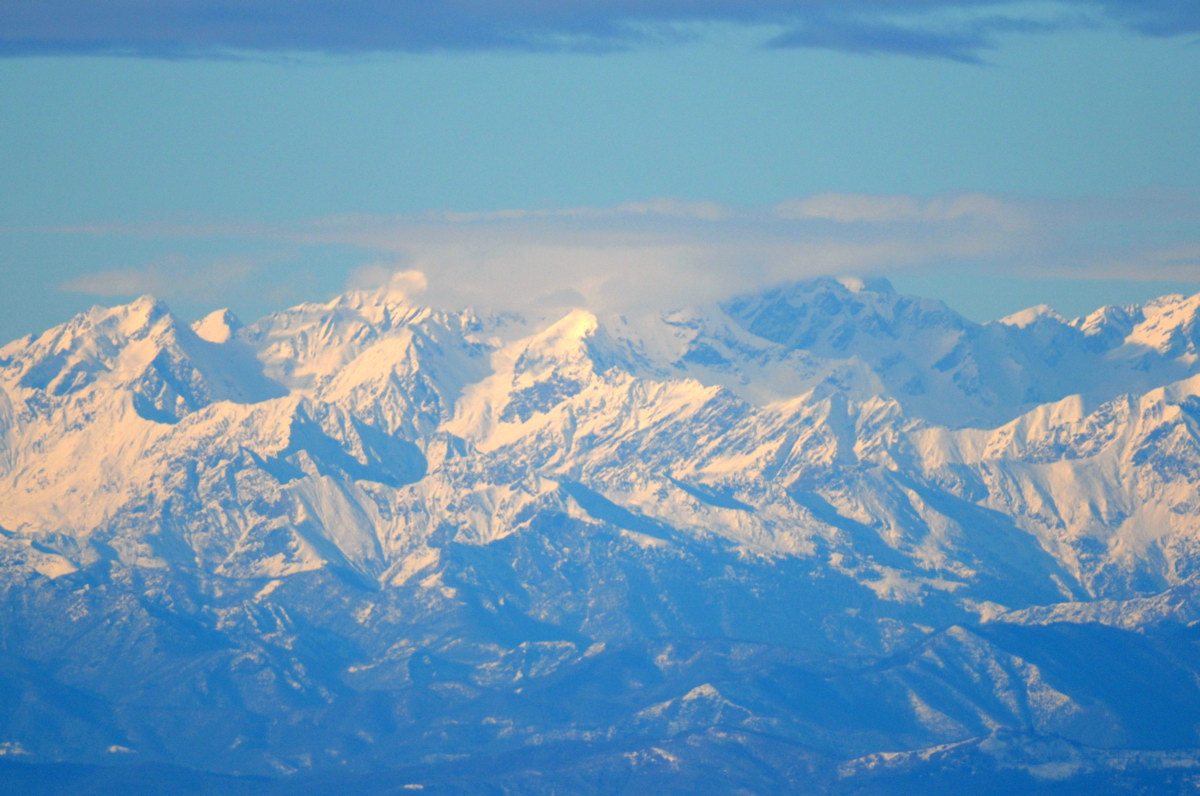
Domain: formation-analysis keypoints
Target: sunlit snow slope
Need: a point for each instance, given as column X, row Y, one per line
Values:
column 369, row 534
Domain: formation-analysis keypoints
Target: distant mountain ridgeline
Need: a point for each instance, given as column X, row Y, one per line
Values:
column 825, row 537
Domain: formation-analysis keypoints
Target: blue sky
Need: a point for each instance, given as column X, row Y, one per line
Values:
column 260, row 153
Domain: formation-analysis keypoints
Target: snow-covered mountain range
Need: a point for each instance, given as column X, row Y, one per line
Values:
column 825, row 536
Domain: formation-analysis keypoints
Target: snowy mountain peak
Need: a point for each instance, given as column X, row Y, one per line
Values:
column 1170, row 325
column 1170, row 303
column 102, row 344
column 217, row 327
column 570, row 329
column 140, row 313
column 1031, row 316
column 393, row 303
column 828, row 315
column 1108, row 326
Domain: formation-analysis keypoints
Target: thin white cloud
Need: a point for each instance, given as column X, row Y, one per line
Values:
column 665, row 252
column 1178, row 263
column 865, row 208
column 171, row 278
column 393, row 277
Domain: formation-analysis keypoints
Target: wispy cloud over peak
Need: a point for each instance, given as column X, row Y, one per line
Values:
column 666, row 252
column 172, row 277
column 390, row 278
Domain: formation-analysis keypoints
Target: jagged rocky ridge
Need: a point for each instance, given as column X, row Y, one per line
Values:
column 821, row 537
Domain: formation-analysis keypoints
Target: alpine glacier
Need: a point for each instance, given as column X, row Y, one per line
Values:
column 825, row 537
